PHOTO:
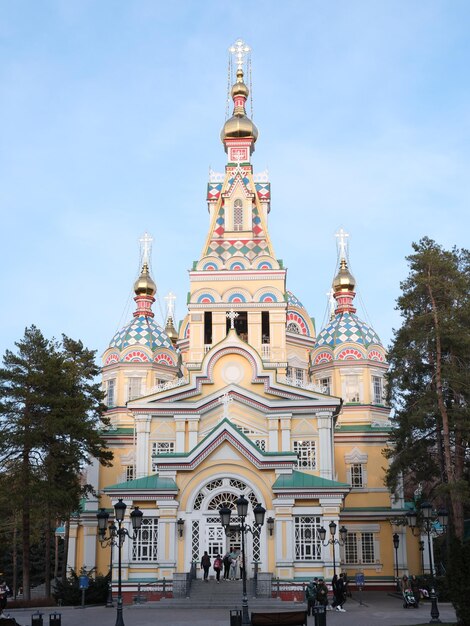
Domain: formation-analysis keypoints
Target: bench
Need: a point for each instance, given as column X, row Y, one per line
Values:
column 284, row 618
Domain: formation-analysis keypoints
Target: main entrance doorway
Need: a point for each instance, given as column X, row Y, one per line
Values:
column 207, row 533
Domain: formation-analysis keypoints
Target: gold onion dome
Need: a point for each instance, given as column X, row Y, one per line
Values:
column 239, row 125
column 344, row 280
column 145, row 285
column 170, row 330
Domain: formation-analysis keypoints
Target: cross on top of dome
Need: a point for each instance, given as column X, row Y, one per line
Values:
column 146, row 247
column 240, row 50
column 342, row 238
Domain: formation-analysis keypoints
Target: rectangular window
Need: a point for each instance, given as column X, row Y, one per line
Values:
column 299, row 376
column 306, row 454
column 265, row 337
column 161, row 447
column 325, row 385
column 367, row 543
column 359, row 548
column 357, row 476
column 350, row 548
column 306, row 540
column 238, row 215
column 208, row 328
column 134, row 388
column 377, row 389
column 130, row 473
column 352, row 389
column 145, row 546
column 110, row 393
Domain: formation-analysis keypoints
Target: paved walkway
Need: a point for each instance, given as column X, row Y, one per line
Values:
column 378, row 609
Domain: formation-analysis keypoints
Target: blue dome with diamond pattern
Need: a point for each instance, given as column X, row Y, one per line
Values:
column 347, row 328
column 141, row 331
column 291, row 299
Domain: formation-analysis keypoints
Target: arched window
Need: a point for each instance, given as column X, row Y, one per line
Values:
column 238, row 215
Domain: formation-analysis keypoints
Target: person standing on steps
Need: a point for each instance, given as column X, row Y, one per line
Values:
column 233, row 566
column 205, row 564
column 227, row 566
column 217, row 567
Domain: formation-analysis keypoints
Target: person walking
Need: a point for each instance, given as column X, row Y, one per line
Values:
column 226, row 561
column 334, row 586
column 217, row 567
column 205, row 564
column 311, row 596
column 340, row 594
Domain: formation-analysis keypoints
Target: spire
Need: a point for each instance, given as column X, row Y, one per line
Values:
column 170, row 329
column 239, row 133
column 144, row 287
column 343, row 283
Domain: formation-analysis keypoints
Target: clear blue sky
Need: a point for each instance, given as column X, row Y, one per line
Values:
column 110, row 118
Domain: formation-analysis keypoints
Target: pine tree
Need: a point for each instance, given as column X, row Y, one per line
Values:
column 429, row 377
column 50, row 413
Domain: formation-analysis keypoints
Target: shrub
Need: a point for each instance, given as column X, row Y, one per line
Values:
column 70, row 594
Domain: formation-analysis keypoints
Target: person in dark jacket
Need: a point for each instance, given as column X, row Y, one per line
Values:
column 205, row 564
column 227, row 565
column 414, row 584
column 311, row 596
column 340, row 597
column 322, row 593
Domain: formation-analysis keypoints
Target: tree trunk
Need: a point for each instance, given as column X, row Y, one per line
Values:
column 14, row 582
column 66, row 551
column 452, row 477
column 47, row 561
column 26, row 548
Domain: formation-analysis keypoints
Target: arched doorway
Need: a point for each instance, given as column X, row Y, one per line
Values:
column 207, row 532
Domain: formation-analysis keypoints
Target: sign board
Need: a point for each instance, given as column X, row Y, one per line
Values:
column 360, row 580
column 83, row 582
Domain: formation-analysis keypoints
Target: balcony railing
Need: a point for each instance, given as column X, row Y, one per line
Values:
column 265, row 351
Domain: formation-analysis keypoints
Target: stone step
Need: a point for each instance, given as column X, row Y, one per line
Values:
column 254, row 604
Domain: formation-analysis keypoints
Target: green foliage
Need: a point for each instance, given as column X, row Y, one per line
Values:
column 70, row 593
column 429, row 377
column 51, row 411
column 458, row 579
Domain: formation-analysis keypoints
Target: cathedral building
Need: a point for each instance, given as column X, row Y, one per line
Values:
column 246, row 398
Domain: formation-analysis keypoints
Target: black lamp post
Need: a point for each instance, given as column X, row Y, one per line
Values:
column 117, row 537
column 343, row 532
column 428, row 518
column 242, row 511
column 421, row 551
column 110, row 540
column 396, row 543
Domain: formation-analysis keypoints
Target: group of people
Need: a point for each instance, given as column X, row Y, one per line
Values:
column 410, row 587
column 231, row 564
column 316, row 593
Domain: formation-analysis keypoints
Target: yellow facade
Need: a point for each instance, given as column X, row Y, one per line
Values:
column 246, row 399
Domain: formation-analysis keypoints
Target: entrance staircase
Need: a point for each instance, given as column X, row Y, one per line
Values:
column 224, row 595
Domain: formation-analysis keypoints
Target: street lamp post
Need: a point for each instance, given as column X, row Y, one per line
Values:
column 396, row 543
column 421, row 551
column 110, row 540
column 242, row 511
column 343, row 532
column 117, row 537
column 428, row 519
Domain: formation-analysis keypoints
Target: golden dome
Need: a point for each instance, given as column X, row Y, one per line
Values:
column 170, row 330
column 144, row 285
column 239, row 88
column 344, row 280
column 239, row 125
